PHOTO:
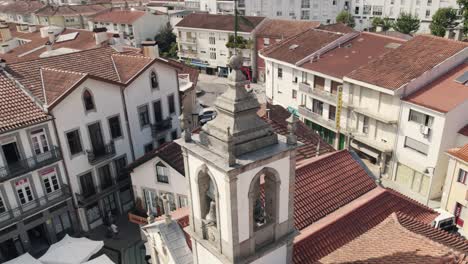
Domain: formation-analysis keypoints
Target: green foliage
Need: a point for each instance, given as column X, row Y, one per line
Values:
column 346, row 18
column 443, row 19
column 406, row 23
column 166, row 40
column 464, row 12
column 385, row 23
column 240, row 43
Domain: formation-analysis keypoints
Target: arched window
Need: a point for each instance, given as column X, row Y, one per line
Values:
column 162, row 173
column 88, row 101
column 208, row 197
column 154, row 80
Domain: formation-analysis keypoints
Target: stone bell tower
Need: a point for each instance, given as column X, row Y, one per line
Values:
column 241, row 179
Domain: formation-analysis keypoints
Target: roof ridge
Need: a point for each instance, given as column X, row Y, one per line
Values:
column 64, row 71
column 382, row 35
column 442, row 38
column 322, row 157
column 409, row 199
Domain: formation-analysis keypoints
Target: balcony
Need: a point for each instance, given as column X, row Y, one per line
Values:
column 102, row 190
column 375, row 115
column 102, row 153
column 188, row 53
column 318, row 93
column 373, row 143
column 40, row 204
column 190, row 41
column 317, row 118
column 161, row 127
column 26, row 165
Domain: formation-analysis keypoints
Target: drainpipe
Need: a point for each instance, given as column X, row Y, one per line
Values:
column 127, row 124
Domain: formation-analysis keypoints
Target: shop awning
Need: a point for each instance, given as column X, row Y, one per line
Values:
column 71, row 250
column 24, row 259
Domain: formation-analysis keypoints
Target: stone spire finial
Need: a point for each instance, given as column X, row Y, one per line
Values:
column 185, row 121
column 292, row 126
column 317, row 150
column 167, row 209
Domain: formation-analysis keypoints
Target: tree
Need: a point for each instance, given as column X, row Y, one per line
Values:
column 166, row 40
column 385, row 23
column 240, row 43
column 406, row 23
column 346, row 18
column 442, row 20
column 464, row 12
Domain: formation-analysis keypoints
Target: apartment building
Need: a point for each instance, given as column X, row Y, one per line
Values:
column 68, row 16
column 364, row 11
column 136, row 26
column 20, row 11
column 202, row 41
column 109, row 108
column 36, row 207
column 305, row 74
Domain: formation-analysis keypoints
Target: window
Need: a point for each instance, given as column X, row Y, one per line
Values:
column 305, row 3
column 154, row 80
column 143, row 115
column 51, row 183
column 174, row 135
column 377, row 10
column 457, row 213
column 356, row 10
column 294, row 94
column 151, row 201
column 462, row 176
column 213, row 55
column 420, row 118
column 162, row 173
column 365, row 125
column 429, row 2
column 416, row 145
column 114, row 126
column 280, row 73
column 334, row 87
column 266, row 42
column 319, row 82
column 171, row 102
column 88, row 101
column 317, row 106
column 366, row 10
column 161, row 141
column 212, row 40
column 279, row 13
column 120, row 164
column 39, row 141
column 93, row 213
column 305, row 14
column 170, row 199
column 23, row 189
column 428, row 13
column 183, row 201
column 148, row 147
column 2, row 205
column 87, row 185
column 157, row 110
column 105, row 177
column 331, row 112
column 74, row 142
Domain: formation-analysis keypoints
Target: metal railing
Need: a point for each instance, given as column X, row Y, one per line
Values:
column 35, row 206
column 161, row 127
column 98, row 154
column 102, row 190
column 29, row 164
column 318, row 92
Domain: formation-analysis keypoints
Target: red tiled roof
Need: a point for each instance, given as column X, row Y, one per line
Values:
column 21, row 7
column 118, row 16
column 337, row 27
column 351, row 55
column 415, row 57
column 326, row 184
column 71, row 10
column 443, row 94
column 170, row 152
column 350, row 226
column 301, row 45
column 16, row 108
column 464, row 131
column 281, row 28
column 57, row 82
column 401, row 239
column 218, row 22
column 461, row 153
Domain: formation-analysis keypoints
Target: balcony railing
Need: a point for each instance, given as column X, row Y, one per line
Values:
column 26, row 165
column 189, row 41
column 102, row 190
column 161, row 127
column 317, row 118
column 188, row 53
column 37, row 205
column 320, row 93
column 99, row 154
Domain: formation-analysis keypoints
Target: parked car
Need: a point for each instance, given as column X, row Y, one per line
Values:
column 445, row 221
column 207, row 114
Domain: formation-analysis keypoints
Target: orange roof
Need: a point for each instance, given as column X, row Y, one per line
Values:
column 71, row 10
column 415, row 57
column 444, row 94
column 21, row 7
column 118, row 16
column 219, row 22
column 281, row 28
column 461, row 153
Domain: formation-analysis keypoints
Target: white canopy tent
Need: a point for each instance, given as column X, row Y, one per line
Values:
column 71, row 250
column 24, row 259
column 103, row 259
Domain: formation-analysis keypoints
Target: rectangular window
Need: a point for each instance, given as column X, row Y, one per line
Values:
column 174, row 135
column 279, row 13
column 331, row 112
column 319, row 82
column 305, row 3
column 429, row 2
column 294, row 94
column 334, row 87
column 143, row 115
column 39, row 141
column 420, row 118
column 171, row 102
column 377, row 10
column 366, row 10
column 87, row 185
column 2, row 205
column 105, row 177
column 356, row 10
column 305, row 14
column 74, row 142
column 151, row 199
column 183, row 201
column 457, row 213
column 317, row 107
column 93, row 213
column 114, row 126
column 365, row 125
column 212, row 40
column 51, row 182
column 213, row 55
column 23, row 189
column 280, row 73
column 148, row 147
column 266, row 42
column 162, row 173
column 462, row 176
column 157, row 109
column 120, row 165
column 416, row 145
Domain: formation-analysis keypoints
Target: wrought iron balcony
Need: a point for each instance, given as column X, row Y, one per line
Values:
column 161, row 127
column 102, row 153
column 37, row 205
column 26, row 165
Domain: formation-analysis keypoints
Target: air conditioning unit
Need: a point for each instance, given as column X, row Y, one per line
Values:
column 425, row 130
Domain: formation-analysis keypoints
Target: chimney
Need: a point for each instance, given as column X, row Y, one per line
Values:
column 2, row 64
column 5, row 33
column 150, row 49
column 116, row 39
column 51, row 36
column 32, row 28
column 100, row 35
column 48, row 45
column 4, row 48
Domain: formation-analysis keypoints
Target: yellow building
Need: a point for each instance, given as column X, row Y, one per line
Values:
column 456, row 186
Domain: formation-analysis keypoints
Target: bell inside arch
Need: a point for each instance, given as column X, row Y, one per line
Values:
column 211, row 215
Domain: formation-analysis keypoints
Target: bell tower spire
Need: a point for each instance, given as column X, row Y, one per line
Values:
column 241, row 178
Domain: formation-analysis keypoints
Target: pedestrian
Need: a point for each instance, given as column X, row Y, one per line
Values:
column 115, row 231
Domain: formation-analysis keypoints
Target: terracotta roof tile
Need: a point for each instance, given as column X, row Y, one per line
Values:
column 464, row 131
column 299, row 46
column 56, row 82
column 337, row 27
column 326, row 184
column 118, row 16
column 218, row 22
column 350, row 226
column 71, row 10
column 281, row 28
column 128, row 66
column 461, row 153
column 170, row 152
column 443, row 94
column 407, row 62
column 16, row 108
column 21, row 7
